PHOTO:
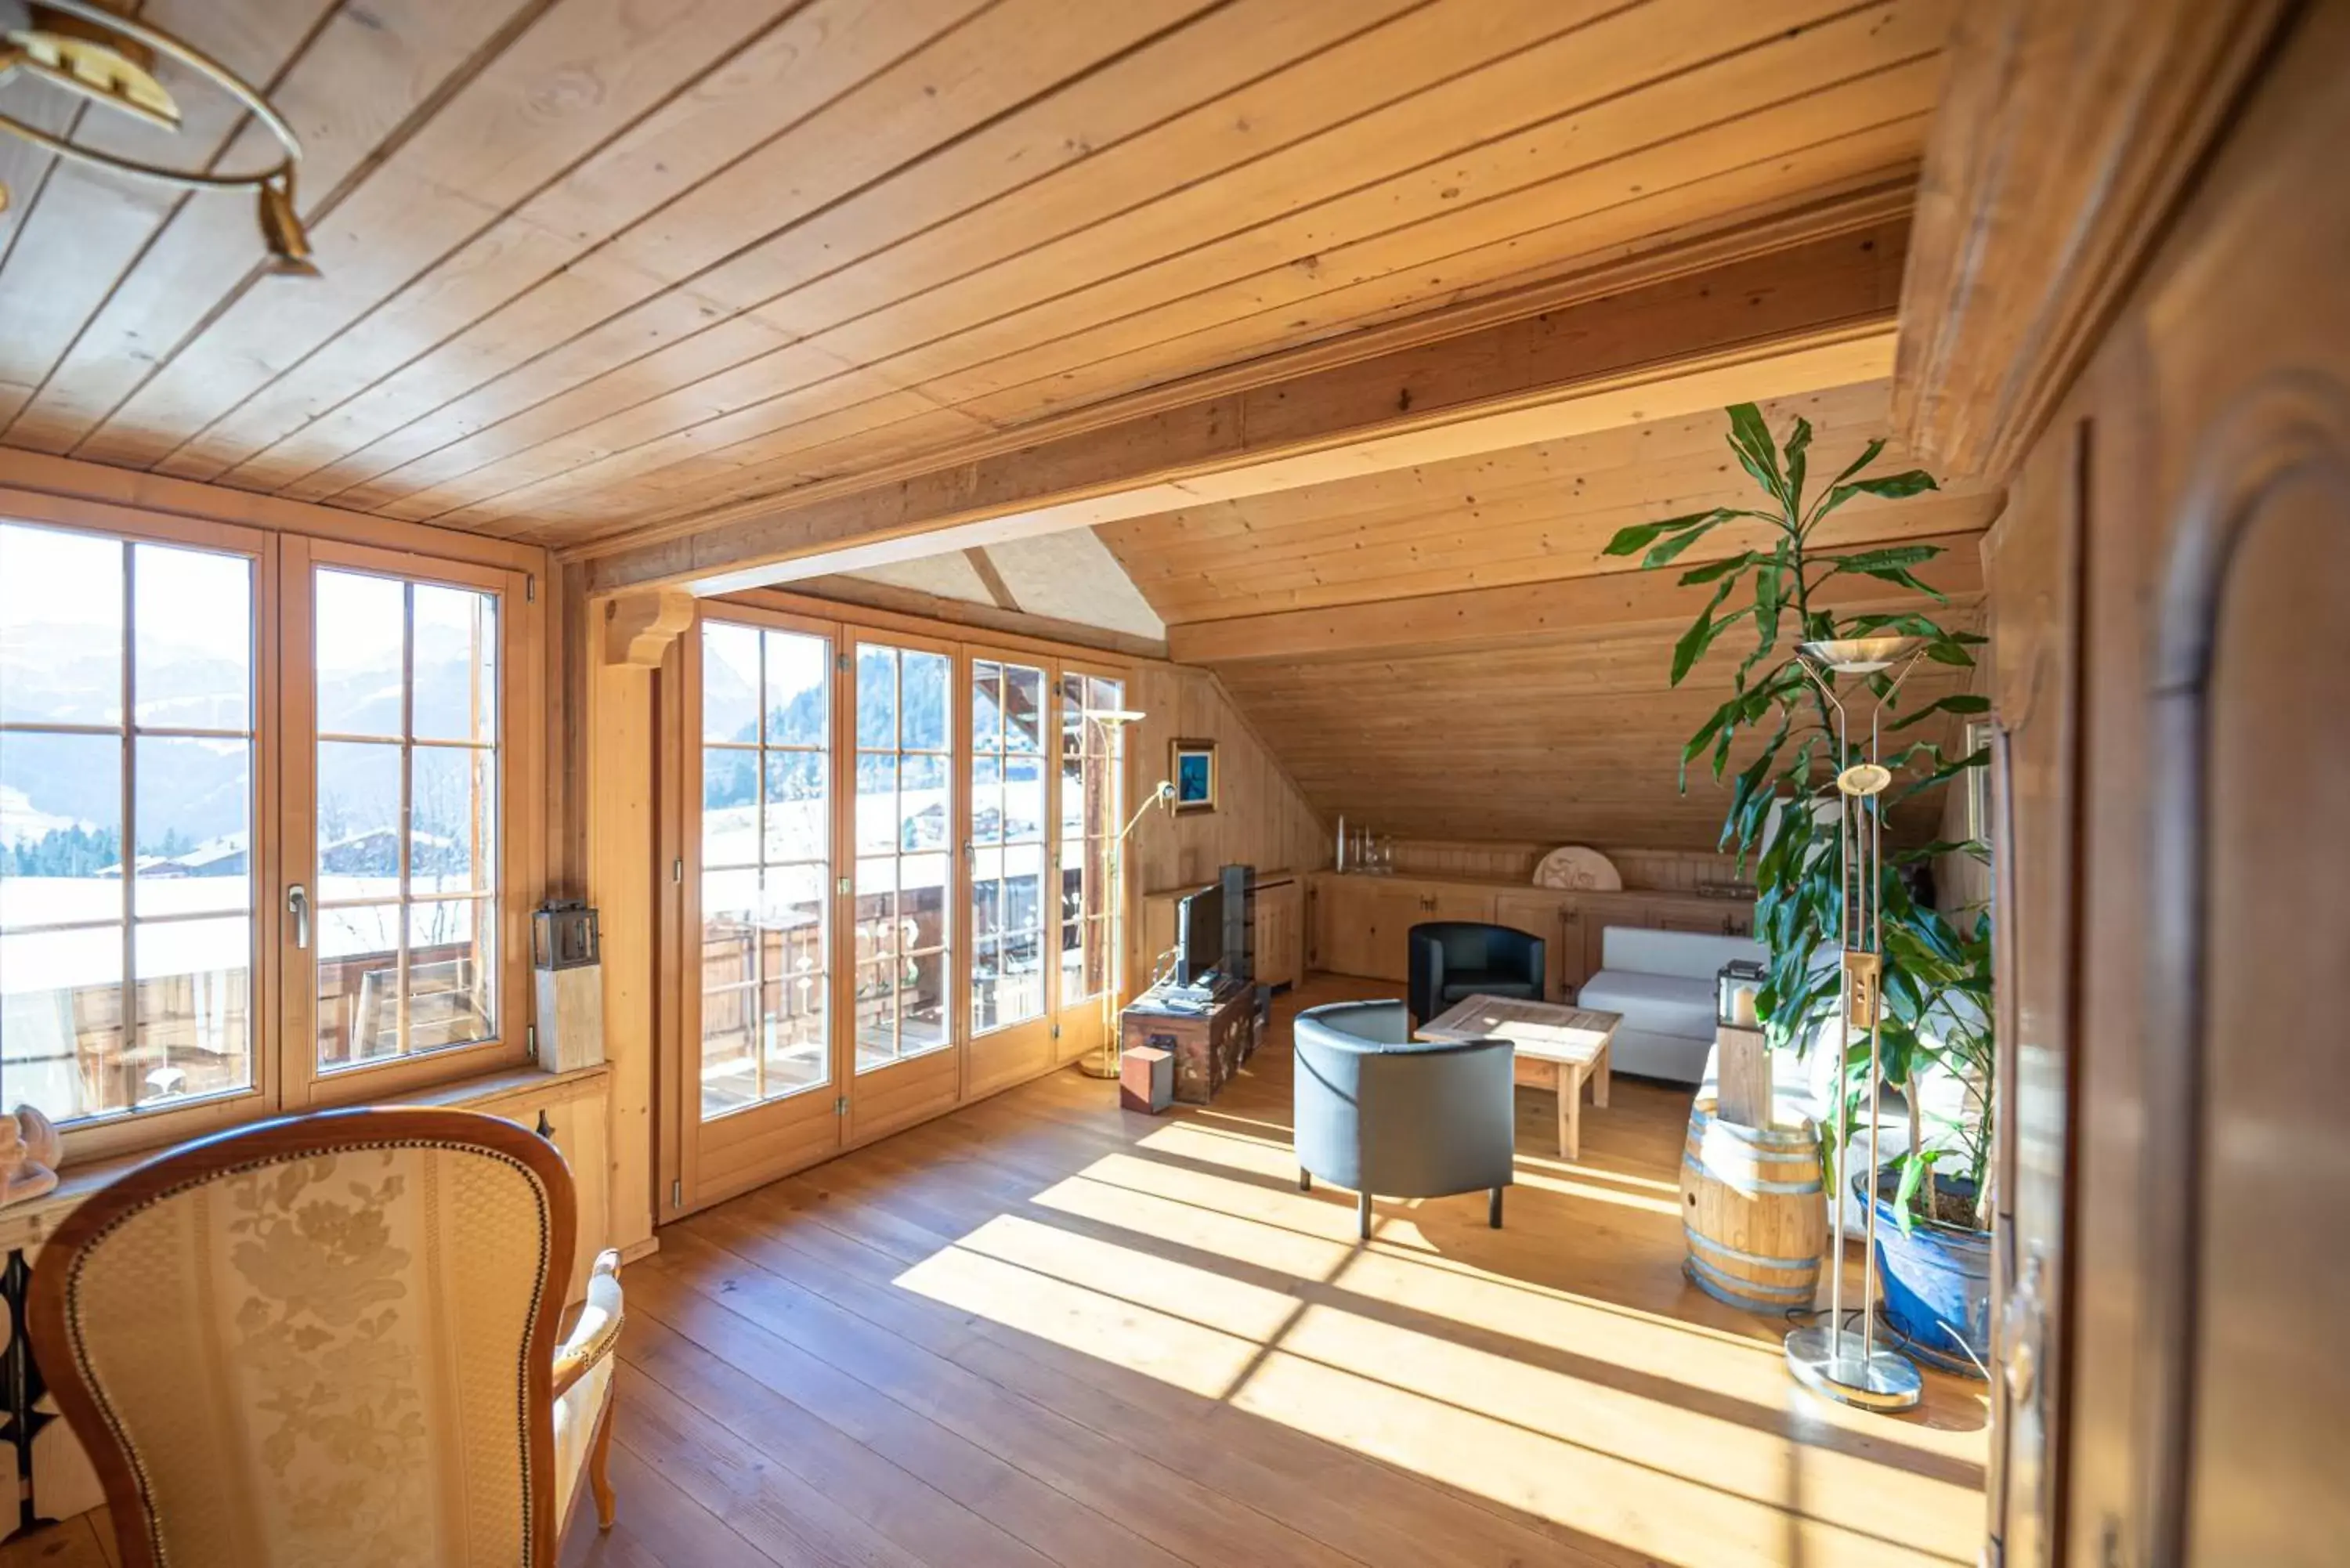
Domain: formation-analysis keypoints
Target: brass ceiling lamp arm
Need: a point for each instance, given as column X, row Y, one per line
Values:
column 281, row 228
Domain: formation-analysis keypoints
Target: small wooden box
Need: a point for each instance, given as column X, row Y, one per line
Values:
column 570, row 1017
column 1145, row 1079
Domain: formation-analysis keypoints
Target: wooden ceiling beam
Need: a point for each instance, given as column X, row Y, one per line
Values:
column 1608, row 604
column 1810, row 315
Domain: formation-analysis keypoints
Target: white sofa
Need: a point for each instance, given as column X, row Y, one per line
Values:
column 1663, row 984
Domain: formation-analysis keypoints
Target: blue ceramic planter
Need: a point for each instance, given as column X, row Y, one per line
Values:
column 1936, row 1284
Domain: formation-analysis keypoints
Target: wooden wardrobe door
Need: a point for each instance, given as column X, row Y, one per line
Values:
column 2212, row 1203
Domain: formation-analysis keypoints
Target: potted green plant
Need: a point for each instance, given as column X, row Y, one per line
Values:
column 1782, row 819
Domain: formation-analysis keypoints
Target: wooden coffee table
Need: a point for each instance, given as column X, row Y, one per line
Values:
column 1558, row 1048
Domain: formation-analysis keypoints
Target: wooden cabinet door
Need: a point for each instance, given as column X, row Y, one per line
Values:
column 1574, row 964
column 1279, row 911
column 1390, row 913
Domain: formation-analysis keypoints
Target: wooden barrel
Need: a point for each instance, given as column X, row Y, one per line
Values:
column 1752, row 1212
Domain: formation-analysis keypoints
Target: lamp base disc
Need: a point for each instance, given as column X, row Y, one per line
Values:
column 1837, row 1365
column 1101, row 1061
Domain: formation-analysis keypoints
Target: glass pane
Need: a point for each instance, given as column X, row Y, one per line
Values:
column 794, row 1003
column 61, row 1022
column 799, row 689
column 729, row 682
column 1073, row 714
column 986, row 893
column 877, row 908
column 1023, row 707
column 1024, row 799
column 1073, row 965
column 192, row 806
column 984, row 1008
column 730, row 953
column 1072, row 799
column 452, row 973
column 1019, row 983
column 986, row 705
column 358, row 980
column 359, row 819
column 877, row 695
column 453, row 820
column 195, row 1000
column 60, row 627
column 793, row 1021
column 1023, row 887
column 986, row 800
column 60, row 829
column 922, row 1005
column 798, row 817
column 922, row 901
column 456, row 664
column 730, row 806
column 730, row 1073
column 923, row 722
column 877, row 804
column 792, row 906
column 922, row 802
column 358, row 623
column 876, row 1014
column 192, row 625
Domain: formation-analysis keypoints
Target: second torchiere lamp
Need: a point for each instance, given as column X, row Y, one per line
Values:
column 1829, row 1358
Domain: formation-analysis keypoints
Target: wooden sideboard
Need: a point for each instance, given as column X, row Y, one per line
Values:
column 1356, row 924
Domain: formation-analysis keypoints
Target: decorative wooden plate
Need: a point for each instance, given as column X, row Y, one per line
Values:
column 1584, row 870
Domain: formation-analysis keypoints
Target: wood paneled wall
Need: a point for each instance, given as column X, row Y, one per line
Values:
column 1650, row 870
column 1262, row 817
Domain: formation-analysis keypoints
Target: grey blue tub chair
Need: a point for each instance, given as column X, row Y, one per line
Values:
column 1379, row 1112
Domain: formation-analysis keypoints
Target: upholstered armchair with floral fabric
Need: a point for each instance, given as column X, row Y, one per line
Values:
column 332, row 1340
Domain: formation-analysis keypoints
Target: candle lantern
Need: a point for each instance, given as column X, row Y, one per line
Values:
column 1734, row 990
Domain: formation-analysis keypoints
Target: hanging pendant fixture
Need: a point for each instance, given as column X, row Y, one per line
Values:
column 83, row 48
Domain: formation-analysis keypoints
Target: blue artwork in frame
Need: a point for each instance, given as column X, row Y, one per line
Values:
column 1191, row 765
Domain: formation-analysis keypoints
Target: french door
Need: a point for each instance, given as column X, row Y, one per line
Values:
column 907, row 948
column 1008, row 845
column 1090, row 792
column 762, row 903
column 897, row 883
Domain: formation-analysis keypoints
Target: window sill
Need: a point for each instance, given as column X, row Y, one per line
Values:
column 29, row 1223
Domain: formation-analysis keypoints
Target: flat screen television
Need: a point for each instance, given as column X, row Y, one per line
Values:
column 1199, row 936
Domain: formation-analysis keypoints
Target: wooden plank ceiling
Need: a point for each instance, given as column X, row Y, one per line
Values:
column 1537, row 731
column 595, row 265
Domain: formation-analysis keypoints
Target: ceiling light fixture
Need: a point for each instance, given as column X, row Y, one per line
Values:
column 80, row 46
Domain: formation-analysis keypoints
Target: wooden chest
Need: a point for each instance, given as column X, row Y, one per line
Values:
column 1208, row 1047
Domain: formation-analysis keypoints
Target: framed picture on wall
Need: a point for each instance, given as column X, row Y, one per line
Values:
column 1192, row 765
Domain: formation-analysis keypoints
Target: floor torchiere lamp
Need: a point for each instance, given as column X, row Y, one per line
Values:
column 1828, row 1358
column 1101, row 1061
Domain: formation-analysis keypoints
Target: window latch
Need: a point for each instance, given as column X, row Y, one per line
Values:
column 297, row 903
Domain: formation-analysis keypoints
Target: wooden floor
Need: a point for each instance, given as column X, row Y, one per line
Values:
column 1045, row 1331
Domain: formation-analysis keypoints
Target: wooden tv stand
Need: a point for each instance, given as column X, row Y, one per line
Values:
column 1208, row 1046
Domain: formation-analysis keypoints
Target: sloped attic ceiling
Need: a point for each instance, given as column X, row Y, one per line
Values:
column 1553, row 727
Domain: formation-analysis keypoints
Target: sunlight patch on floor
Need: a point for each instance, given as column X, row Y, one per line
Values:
column 1649, row 1473
column 1673, row 1519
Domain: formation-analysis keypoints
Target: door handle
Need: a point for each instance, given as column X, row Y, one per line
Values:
column 297, row 903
